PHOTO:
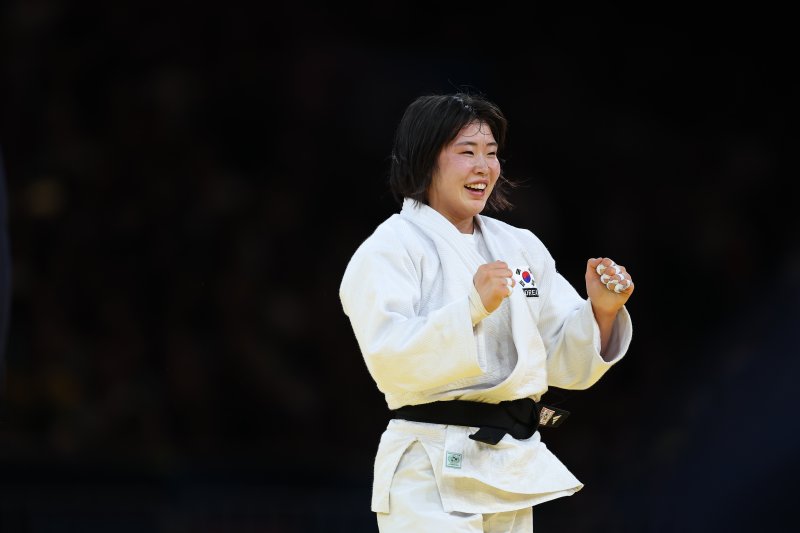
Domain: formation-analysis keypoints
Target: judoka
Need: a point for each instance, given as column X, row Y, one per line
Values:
column 464, row 322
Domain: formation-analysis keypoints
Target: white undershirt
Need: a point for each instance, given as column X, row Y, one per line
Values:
column 501, row 354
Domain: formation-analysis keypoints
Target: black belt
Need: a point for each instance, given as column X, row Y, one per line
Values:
column 519, row 418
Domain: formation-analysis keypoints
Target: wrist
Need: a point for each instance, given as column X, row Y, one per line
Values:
column 604, row 316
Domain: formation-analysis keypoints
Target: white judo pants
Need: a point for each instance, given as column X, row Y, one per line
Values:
column 416, row 506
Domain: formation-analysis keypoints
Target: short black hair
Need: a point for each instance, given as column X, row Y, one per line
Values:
column 431, row 122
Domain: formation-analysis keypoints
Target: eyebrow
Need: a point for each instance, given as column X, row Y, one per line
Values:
column 473, row 143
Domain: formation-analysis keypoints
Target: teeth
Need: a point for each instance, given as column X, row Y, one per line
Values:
column 476, row 186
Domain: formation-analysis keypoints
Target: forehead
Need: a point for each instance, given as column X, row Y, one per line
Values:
column 475, row 132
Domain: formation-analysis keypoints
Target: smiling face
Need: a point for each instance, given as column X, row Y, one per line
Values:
column 466, row 172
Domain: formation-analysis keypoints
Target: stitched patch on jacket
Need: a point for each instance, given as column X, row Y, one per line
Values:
column 453, row 460
column 524, row 279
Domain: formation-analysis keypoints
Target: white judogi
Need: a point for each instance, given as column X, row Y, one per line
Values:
column 407, row 293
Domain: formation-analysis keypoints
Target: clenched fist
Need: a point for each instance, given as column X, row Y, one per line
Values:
column 494, row 282
column 608, row 285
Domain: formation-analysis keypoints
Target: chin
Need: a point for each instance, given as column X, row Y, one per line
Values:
column 479, row 209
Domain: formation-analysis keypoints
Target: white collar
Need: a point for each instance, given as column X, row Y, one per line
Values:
column 426, row 215
column 430, row 219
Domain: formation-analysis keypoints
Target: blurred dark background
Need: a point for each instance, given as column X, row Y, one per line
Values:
column 185, row 183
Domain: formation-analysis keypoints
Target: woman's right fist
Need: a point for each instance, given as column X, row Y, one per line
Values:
column 494, row 281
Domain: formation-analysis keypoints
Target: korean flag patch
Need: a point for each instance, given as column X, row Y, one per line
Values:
column 524, row 279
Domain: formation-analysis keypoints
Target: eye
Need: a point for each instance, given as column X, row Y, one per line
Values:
column 467, row 152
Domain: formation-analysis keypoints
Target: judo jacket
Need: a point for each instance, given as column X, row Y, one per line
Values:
column 406, row 291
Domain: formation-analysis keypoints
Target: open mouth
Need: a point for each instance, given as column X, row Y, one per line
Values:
column 476, row 189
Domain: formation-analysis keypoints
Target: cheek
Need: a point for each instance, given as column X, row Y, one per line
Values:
column 495, row 169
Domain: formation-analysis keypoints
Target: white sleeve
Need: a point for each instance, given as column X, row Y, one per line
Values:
column 477, row 310
column 572, row 337
column 405, row 352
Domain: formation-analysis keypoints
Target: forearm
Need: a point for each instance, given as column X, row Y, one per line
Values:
column 605, row 321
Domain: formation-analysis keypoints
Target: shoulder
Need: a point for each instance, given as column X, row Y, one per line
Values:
column 395, row 240
column 385, row 236
column 390, row 250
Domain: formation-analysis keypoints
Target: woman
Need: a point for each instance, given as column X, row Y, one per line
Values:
column 464, row 322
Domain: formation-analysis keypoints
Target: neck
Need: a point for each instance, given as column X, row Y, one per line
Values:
column 465, row 226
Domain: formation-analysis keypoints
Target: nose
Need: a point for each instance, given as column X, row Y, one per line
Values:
column 481, row 165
